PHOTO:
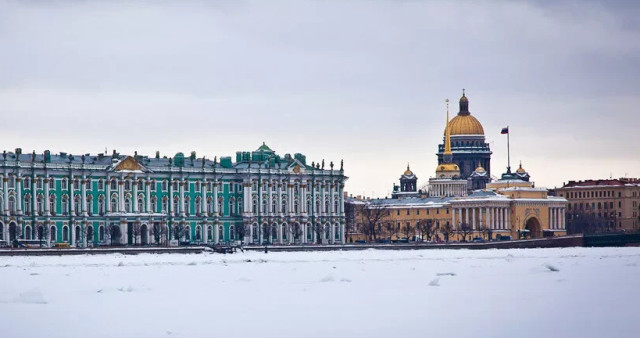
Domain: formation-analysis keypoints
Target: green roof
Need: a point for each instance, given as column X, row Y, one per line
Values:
column 264, row 147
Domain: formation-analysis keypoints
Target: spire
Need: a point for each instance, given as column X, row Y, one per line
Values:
column 447, row 134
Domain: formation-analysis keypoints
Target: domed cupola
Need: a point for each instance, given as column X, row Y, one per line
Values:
column 408, row 181
column 522, row 174
column 464, row 105
column 464, row 123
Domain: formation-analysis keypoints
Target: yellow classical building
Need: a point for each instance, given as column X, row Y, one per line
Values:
column 450, row 209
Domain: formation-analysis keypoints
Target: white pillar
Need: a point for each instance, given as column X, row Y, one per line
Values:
column 562, row 219
column 486, row 217
column 270, row 201
column 5, row 192
column 203, row 198
column 107, row 197
column 342, row 234
column 19, row 197
column 216, row 233
column 279, row 233
column 466, row 217
column 473, row 215
column 181, row 197
column 121, row 195
column 215, row 200
column 147, row 185
column 134, row 199
column 46, row 196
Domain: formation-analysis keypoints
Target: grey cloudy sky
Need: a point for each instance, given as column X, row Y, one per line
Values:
column 363, row 81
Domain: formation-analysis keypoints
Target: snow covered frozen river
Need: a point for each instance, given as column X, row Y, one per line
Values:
column 570, row 292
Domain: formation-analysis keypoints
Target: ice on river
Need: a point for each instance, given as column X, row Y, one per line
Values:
column 571, row 292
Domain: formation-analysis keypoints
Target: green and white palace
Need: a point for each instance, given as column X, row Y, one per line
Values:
column 91, row 200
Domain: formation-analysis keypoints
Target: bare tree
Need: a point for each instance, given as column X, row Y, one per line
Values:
column 408, row 230
column 446, row 230
column 372, row 215
column 392, row 229
column 465, row 229
column 319, row 230
column 242, row 230
column 159, row 232
column 111, row 232
column 136, row 230
column 426, row 227
column 44, row 231
column 179, row 231
column 296, row 232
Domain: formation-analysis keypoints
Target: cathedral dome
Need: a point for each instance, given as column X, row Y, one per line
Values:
column 465, row 123
column 521, row 170
column 480, row 169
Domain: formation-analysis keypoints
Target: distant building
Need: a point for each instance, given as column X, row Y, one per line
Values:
column 84, row 200
column 459, row 207
column 468, row 147
column 602, row 205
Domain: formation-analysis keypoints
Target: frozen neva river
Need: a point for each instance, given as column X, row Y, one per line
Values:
column 574, row 292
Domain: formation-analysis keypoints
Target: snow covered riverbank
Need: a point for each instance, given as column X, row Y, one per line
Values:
column 570, row 292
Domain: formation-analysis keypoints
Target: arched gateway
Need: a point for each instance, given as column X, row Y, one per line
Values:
column 533, row 227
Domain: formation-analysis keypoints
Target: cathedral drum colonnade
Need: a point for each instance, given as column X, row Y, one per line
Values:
column 118, row 199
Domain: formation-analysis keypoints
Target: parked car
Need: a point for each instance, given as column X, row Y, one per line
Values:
column 478, row 240
column 361, row 241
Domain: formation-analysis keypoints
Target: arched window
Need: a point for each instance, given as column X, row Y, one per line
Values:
column 335, row 207
column 127, row 204
column 210, row 232
column 221, row 233
column 114, row 184
column 165, row 185
column 52, row 204
column 65, row 205
column 101, row 205
column 274, row 205
column 317, row 205
column 27, row 204
column 90, row 204
column 198, row 204
column 232, row 232
column 12, row 204
column 326, row 206
column 220, row 204
column 140, row 185
column 295, row 206
column 65, row 233
column 198, row 233
column 187, row 205
column 127, row 185
column 52, row 234
column 27, row 232
column 101, row 233
column 76, row 206
column 114, row 204
column 165, row 204
column 187, row 233
column 254, row 205
column 154, row 204
column 176, row 205
column 140, row 205
column 39, row 204
column 231, row 206
column 265, row 205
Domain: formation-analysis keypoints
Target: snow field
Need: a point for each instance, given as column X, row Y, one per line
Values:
column 570, row 292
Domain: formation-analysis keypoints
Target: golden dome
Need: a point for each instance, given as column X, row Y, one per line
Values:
column 408, row 172
column 521, row 170
column 480, row 169
column 465, row 125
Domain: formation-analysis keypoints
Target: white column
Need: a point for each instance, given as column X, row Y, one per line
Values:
column 279, row 198
column 322, row 198
column 121, row 196
column 486, row 217
column 303, row 199
column 473, row 215
column 5, row 192
column 291, row 191
column 46, row 196
column 107, row 197
column 134, row 200
column 504, row 218
column 216, row 232
column 147, row 185
column 181, row 197
column 342, row 234
column 466, row 217
column 19, row 197
column 203, row 202
column 331, row 201
column 562, row 219
column 124, row 238
column 270, row 201
column 215, row 200
column 260, row 194
column 280, row 233
column 453, row 216
column 72, row 233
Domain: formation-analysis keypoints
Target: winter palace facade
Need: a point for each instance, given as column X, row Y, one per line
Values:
column 87, row 200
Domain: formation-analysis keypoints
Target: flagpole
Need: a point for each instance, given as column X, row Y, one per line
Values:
column 508, row 152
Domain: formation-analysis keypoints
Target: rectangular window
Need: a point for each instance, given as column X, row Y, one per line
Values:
column 197, row 186
column 27, row 183
column 408, row 211
column 140, row 185
column 417, row 211
column 165, row 185
column 52, row 183
column 153, row 185
column 398, row 212
column 38, row 183
column 76, row 184
column 64, row 184
column 88, row 185
column 100, row 185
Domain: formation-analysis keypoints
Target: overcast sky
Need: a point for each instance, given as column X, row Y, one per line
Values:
column 363, row 81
